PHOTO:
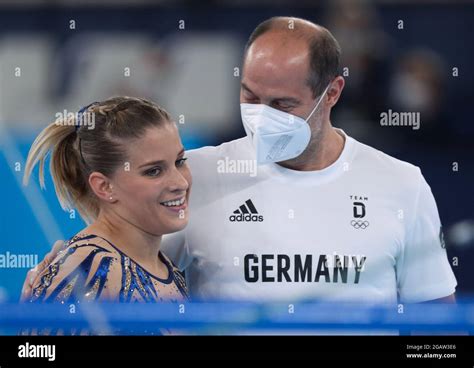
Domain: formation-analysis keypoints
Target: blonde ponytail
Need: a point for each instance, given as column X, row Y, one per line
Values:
column 66, row 168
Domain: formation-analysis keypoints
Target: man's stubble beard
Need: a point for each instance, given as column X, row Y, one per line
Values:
column 318, row 131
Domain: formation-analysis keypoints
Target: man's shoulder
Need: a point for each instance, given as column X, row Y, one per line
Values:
column 236, row 148
column 383, row 165
column 205, row 162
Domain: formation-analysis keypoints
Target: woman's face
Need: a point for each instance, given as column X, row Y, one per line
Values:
column 152, row 188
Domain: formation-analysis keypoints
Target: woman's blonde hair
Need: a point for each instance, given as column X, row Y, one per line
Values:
column 78, row 149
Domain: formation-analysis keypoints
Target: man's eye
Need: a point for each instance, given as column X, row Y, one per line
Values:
column 181, row 161
column 283, row 106
column 250, row 98
column 153, row 172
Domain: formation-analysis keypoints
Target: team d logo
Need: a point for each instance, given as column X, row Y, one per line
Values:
column 246, row 213
column 358, row 213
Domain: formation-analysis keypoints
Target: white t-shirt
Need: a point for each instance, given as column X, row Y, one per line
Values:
column 366, row 228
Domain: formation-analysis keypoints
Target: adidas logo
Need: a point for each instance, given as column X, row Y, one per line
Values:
column 247, row 212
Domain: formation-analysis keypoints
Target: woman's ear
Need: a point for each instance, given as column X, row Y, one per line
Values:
column 101, row 186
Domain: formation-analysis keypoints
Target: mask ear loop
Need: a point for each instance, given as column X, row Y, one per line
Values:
column 320, row 99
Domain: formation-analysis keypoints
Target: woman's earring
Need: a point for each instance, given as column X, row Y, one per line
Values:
column 110, row 197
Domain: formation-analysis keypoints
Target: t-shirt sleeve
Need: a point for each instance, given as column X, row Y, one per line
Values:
column 423, row 269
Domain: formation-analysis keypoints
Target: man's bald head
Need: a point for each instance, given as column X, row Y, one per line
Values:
column 320, row 47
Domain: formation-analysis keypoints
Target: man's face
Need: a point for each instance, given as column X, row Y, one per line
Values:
column 275, row 73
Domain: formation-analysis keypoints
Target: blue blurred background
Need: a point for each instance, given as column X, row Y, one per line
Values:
column 404, row 56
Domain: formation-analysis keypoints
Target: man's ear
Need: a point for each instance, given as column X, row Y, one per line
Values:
column 335, row 90
column 101, row 186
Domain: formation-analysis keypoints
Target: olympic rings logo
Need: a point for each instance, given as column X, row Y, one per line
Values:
column 359, row 224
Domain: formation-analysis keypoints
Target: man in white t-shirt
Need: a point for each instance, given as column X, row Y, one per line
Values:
column 298, row 209
column 334, row 219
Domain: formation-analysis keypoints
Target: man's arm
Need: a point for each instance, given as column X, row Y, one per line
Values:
column 424, row 273
column 176, row 248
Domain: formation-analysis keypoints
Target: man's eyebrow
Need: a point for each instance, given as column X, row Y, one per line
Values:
column 290, row 100
column 286, row 99
column 155, row 162
column 244, row 86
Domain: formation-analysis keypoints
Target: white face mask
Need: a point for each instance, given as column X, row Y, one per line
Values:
column 276, row 135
